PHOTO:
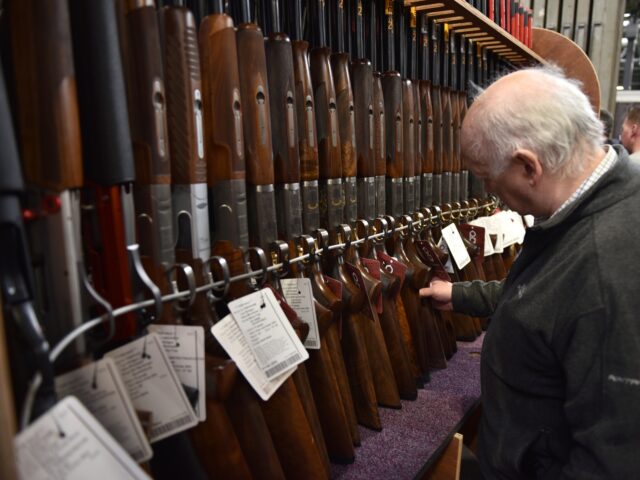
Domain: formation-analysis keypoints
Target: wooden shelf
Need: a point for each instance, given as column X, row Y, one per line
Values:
column 465, row 19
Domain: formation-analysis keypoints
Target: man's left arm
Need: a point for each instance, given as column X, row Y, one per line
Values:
column 600, row 356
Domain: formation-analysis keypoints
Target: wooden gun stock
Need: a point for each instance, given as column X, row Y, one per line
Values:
column 330, row 161
column 224, row 134
column 409, row 142
column 394, row 140
column 254, row 90
column 307, row 137
column 347, row 128
column 48, row 123
column 380, row 145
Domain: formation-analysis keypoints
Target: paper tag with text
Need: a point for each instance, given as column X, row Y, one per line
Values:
column 373, row 267
column 101, row 390
column 432, row 259
column 185, row 347
column 299, row 296
column 268, row 332
column 393, row 266
column 456, row 246
column 475, row 235
column 228, row 333
column 336, row 288
column 68, row 443
column 154, row 386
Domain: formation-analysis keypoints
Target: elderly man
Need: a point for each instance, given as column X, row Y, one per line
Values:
column 630, row 136
column 560, row 363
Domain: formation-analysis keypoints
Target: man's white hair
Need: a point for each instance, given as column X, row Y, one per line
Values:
column 558, row 124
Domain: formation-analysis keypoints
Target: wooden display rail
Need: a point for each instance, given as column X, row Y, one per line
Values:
column 465, row 19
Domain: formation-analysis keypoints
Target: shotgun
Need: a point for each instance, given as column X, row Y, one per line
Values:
column 389, row 319
column 426, row 139
column 28, row 344
column 379, row 142
column 183, row 80
column 436, row 102
column 454, row 95
column 408, row 113
column 447, row 115
column 108, row 211
column 346, row 115
column 254, row 91
column 330, row 162
column 462, row 100
column 147, row 114
column 294, row 438
column 306, row 121
column 394, row 129
column 362, row 74
column 48, row 128
column 419, row 118
column 309, row 169
column 224, row 133
column 328, row 406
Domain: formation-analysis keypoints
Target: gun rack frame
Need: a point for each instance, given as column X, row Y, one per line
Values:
column 463, row 18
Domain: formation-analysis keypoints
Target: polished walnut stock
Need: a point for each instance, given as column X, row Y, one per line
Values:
column 224, row 133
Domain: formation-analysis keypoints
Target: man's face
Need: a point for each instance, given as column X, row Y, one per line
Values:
column 628, row 135
column 511, row 185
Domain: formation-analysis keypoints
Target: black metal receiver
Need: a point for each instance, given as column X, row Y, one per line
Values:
column 16, row 280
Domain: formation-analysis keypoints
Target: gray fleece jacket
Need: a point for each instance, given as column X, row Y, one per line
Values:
column 560, row 368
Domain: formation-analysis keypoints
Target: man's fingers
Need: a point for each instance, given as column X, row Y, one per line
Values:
column 426, row 292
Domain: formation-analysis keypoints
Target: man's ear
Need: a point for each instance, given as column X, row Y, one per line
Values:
column 529, row 164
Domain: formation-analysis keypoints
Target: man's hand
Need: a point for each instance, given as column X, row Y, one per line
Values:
column 440, row 293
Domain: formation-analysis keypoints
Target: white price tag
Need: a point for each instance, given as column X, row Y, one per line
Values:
column 268, row 332
column 101, row 390
column 228, row 333
column 185, row 347
column 488, row 244
column 455, row 245
column 511, row 226
column 529, row 220
column 67, row 443
column 154, row 386
column 299, row 296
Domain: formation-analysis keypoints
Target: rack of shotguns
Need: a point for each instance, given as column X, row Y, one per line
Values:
column 194, row 153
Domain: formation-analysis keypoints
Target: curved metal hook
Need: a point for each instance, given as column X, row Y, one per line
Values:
column 223, row 267
column 408, row 221
column 306, row 244
column 345, row 232
column 380, row 225
column 362, row 230
column 99, row 299
column 134, row 254
column 258, row 253
column 418, row 217
column 180, row 305
column 279, row 251
column 322, row 240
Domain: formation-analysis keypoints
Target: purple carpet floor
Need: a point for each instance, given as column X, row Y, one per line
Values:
column 412, row 434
